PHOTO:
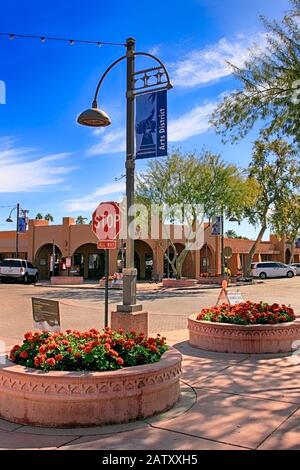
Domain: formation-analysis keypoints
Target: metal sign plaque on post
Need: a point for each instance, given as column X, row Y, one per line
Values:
column 107, row 245
column 151, row 125
column 230, row 298
column 106, row 227
column 46, row 314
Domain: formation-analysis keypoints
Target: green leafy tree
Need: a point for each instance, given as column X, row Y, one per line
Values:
column 286, row 221
column 49, row 217
column 189, row 181
column 270, row 86
column 39, row 216
column 275, row 167
column 81, row 220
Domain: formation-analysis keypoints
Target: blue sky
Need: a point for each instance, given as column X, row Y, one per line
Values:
column 50, row 164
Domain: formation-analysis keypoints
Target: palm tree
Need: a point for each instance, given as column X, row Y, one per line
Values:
column 231, row 234
column 39, row 216
column 49, row 217
column 81, row 220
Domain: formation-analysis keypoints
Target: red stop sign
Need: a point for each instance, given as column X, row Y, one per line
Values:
column 106, row 221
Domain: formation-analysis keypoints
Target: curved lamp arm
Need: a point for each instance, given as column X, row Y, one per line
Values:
column 95, row 105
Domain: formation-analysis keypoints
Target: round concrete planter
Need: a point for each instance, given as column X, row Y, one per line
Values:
column 254, row 339
column 64, row 399
column 173, row 283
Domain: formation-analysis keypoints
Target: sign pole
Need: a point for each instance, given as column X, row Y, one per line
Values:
column 17, row 232
column 106, row 287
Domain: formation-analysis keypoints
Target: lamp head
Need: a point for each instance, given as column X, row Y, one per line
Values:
column 233, row 218
column 94, row 117
column 9, row 219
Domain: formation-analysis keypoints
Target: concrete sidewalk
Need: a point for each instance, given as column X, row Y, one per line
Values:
column 229, row 401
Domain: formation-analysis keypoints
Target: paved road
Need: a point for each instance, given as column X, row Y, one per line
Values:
column 84, row 308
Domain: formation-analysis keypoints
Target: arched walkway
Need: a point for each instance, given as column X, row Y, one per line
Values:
column 89, row 261
column 188, row 265
column 43, row 258
column 143, row 259
column 206, row 260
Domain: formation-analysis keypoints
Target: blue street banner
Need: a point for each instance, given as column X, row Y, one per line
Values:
column 216, row 225
column 22, row 225
column 151, row 125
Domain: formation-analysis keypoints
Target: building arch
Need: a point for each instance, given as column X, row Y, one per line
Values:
column 206, row 260
column 288, row 256
column 143, row 259
column 42, row 260
column 89, row 261
column 188, row 264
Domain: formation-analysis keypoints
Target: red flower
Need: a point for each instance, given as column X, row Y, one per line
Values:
column 120, row 361
column 15, row 349
column 36, row 361
column 24, row 354
column 50, row 362
column 59, row 357
column 113, row 353
column 29, row 336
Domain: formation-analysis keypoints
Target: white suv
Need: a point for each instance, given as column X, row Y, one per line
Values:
column 272, row 269
column 18, row 269
column 297, row 266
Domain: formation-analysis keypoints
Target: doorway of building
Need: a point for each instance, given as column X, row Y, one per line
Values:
column 42, row 260
column 89, row 261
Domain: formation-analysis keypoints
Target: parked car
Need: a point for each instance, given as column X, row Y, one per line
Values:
column 297, row 266
column 18, row 269
column 267, row 269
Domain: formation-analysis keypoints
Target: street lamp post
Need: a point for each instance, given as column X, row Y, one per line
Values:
column 222, row 246
column 231, row 219
column 10, row 220
column 96, row 117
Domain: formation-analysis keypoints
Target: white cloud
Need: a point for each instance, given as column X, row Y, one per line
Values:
column 111, row 142
column 206, row 65
column 90, row 201
column 192, row 123
column 155, row 50
column 21, row 171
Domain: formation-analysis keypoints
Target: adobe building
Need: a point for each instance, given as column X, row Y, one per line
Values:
column 79, row 245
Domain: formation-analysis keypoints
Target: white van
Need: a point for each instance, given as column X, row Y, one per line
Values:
column 18, row 269
column 272, row 269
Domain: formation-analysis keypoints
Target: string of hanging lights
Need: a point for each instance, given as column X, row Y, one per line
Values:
column 43, row 39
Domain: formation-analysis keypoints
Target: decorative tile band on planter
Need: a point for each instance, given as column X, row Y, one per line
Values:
column 64, row 399
column 254, row 339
